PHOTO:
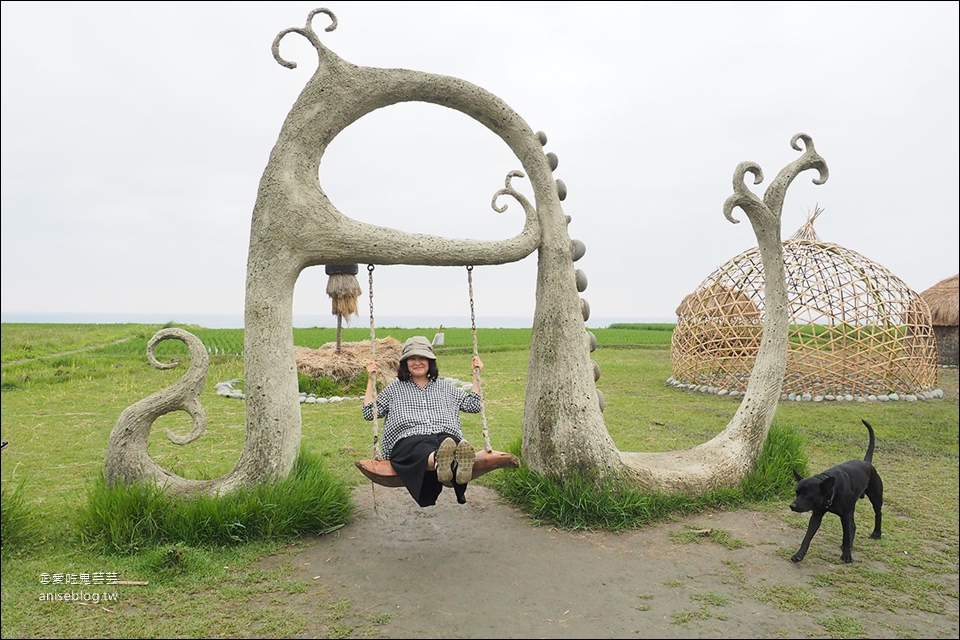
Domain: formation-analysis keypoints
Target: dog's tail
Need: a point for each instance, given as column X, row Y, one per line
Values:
column 869, row 456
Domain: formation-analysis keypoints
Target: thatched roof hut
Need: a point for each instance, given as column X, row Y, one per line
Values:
column 943, row 300
column 944, row 303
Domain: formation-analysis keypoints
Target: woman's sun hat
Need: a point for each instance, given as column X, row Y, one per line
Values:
column 417, row 346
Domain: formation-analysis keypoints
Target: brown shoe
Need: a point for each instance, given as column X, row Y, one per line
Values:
column 443, row 460
column 464, row 457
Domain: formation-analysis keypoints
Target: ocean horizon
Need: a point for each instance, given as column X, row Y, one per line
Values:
column 235, row 320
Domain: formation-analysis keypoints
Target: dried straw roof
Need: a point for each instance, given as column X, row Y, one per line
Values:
column 942, row 298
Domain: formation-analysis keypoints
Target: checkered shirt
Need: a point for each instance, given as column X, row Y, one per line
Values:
column 412, row 410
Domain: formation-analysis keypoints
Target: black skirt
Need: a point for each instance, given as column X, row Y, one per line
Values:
column 409, row 460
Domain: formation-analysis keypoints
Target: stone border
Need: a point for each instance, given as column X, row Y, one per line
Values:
column 808, row 397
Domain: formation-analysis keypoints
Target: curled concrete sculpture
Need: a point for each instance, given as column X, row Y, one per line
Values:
column 295, row 226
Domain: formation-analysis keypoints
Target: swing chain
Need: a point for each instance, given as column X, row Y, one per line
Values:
column 476, row 352
column 373, row 358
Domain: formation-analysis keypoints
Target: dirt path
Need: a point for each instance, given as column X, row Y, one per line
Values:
column 482, row 570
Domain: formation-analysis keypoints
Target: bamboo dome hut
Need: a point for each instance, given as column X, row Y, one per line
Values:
column 857, row 332
column 942, row 299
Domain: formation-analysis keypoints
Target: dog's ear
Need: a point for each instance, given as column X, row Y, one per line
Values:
column 826, row 485
column 797, row 475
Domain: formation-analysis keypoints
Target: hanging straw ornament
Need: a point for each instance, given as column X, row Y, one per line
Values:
column 343, row 289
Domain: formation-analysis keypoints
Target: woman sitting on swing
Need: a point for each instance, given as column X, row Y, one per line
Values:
column 422, row 438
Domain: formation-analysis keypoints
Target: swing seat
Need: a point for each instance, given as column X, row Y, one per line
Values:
column 381, row 471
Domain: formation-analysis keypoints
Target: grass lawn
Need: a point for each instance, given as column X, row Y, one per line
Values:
column 64, row 386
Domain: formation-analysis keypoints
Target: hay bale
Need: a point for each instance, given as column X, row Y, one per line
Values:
column 352, row 360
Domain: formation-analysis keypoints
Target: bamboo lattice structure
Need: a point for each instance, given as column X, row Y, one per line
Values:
column 856, row 330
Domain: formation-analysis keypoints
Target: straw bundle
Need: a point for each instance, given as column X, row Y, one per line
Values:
column 351, row 361
column 343, row 289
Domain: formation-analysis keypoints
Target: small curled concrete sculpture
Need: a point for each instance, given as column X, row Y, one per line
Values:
column 295, row 226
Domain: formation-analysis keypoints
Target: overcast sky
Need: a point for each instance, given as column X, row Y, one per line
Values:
column 135, row 134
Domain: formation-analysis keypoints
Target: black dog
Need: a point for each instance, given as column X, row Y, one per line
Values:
column 837, row 490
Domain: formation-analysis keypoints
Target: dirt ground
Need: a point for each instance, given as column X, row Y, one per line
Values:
column 484, row 570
